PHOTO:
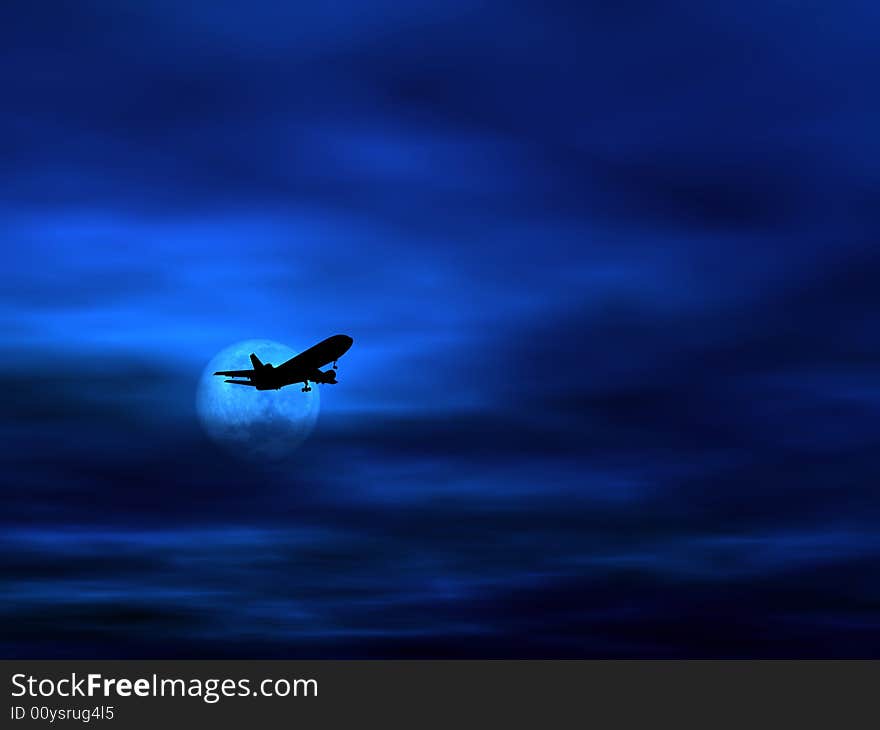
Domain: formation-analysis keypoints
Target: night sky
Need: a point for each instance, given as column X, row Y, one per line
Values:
column 613, row 278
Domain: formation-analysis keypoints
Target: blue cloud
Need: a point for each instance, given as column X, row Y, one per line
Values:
column 611, row 278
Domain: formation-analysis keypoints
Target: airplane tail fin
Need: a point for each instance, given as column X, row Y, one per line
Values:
column 256, row 361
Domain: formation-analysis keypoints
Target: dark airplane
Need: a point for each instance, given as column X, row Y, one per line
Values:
column 303, row 368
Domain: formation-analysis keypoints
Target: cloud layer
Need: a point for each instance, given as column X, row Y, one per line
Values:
column 611, row 276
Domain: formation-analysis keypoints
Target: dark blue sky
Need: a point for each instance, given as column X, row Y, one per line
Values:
column 612, row 275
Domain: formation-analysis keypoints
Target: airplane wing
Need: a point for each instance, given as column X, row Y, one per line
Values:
column 236, row 373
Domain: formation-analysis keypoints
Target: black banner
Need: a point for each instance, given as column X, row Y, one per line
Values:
column 166, row 694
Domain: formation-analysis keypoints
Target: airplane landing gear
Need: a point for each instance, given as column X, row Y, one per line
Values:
column 306, row 388
column 335, row 366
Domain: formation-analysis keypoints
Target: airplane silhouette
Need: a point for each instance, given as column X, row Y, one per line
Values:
column 302, row 368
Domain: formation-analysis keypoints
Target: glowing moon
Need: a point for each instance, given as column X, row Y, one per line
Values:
column 255, row 424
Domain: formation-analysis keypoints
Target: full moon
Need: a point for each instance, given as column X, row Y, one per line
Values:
column 256, row 424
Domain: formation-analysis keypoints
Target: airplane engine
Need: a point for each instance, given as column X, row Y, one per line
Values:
column 328, row 376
